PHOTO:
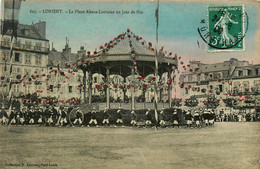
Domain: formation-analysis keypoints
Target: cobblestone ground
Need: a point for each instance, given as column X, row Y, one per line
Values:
column 226, row 145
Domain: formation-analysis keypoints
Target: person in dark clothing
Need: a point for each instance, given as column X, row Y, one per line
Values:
column 36, row 115
column 78, row 119
column 1, row 116
column 119, row 117
column 26, row 116
column 162, row 118
column 50, row 116
column 40, row 117
column 4, row 116
column 197, row 119
column 175, row 118
column 206, row 117
column 18, row 117
column 59, row 115
column 93, row 117
column 63, row 120
column 211, row 118
column 133, row 118
column 148, row 118
column 31, row 116
column 188, row 118
column 22, row 117
column 105, row 117
column 12, row 117
column 54, row 115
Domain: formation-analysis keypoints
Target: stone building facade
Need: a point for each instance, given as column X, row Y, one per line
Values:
column 233, row 79
column 28, row 61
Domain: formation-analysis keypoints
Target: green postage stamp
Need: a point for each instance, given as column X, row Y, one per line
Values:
column 226, row 30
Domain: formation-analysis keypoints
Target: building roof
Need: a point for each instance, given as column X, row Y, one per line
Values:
column 29, row 31
column 214, row 67
column 123, row 47
column 61, row 58
column 124, row 44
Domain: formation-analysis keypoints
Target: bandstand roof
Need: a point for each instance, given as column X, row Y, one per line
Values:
column 122, row 47
column 124, row 51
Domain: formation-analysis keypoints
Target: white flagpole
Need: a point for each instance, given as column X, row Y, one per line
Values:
column 156, row 66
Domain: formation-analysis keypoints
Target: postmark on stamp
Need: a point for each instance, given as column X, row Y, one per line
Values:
column 225, row 30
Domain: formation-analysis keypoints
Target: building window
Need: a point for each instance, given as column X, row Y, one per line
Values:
column 27, row 71
column 202, row 77
column 186, row 90
column 240, row 73
column 38, row 59
column 38, row 46
column 6, row 54
column 27, row 58
column 246, row 85
column 249, row 72
column 36, row 71
column 17, row 43
column 16, row 88
column 219, row 75
column 28, row 44
column 189, row 78
column 211, row 87
column 211, row 75
column 220, row 88
column 194, row 78
column 257, row 84
column 70, row 89
column 38, row 87
column 28, row 89
column 256, row 71
column 51, row 88
column 95, row 79
column 17, row 57
column 185, row 78
column 6, row 42
column 18, row 70
column 198, row 89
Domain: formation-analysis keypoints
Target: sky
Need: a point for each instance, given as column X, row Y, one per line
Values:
column 178, row 24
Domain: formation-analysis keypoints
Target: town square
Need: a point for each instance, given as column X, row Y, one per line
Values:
column 129, row 86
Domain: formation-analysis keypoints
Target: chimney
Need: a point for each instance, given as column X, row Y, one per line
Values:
column 81, row 51
column 67, row 50
column 52, row 47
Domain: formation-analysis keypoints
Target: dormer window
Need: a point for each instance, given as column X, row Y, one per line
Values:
column 6, row 41
column 249, row 72
column 26, row 32
column 28, row 44
column 240, row 73
column 211, row 75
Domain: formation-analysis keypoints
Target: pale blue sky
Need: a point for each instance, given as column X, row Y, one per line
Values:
column 177, row 29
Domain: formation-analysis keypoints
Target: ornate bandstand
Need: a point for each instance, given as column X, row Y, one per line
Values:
column 137, row 62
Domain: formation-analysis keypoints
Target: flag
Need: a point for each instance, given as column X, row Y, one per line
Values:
column 11, row 15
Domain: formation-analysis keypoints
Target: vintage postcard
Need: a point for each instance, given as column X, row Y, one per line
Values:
column 93, row 84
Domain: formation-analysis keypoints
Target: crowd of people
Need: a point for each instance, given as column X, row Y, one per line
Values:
column 60, row 116
column 238, row 117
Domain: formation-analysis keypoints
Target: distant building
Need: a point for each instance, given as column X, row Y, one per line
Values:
column 29, row 59
column 233, row 79
column 65, row 80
